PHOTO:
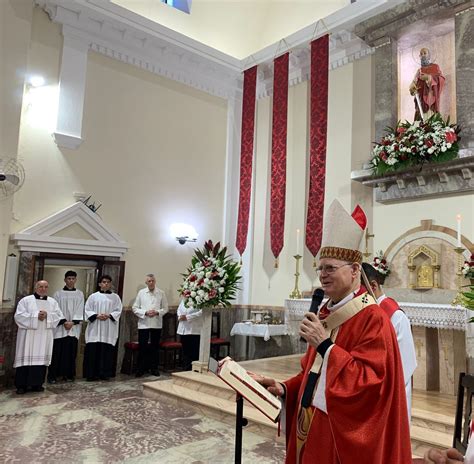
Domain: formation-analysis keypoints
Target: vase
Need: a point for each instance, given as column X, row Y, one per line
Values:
column 205, row 342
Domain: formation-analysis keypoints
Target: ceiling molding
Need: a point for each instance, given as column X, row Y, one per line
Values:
column 41, row 236
column 121, row 34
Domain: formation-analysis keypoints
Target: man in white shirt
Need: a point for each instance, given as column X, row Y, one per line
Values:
column 400, row 323
column 36, row 317
column 102, row 310
column 66, row 336
column 189, row 330
column 150, row 306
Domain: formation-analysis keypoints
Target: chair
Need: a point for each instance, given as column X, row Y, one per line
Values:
column 216, row 341
column 130, row 358
column 171, row 348
column 463, row 412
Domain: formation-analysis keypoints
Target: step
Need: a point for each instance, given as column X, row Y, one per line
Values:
column 433, row 421
column 210, row 405
column 422, row 439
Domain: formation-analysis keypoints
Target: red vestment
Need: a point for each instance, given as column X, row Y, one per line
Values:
column 367, row 420
column 429, row 91
column 389, row 305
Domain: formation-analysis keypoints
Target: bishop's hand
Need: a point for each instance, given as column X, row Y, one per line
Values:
column 274, row 387
column 312, row 330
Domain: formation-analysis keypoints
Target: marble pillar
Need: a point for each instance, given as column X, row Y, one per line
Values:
column 452, row 359
column 464, row 45
column 386, row 84
column 419, row 376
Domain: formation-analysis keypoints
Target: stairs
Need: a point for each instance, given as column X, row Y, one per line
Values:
column 212, row 397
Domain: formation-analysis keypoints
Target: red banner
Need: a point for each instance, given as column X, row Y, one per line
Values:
column 318, row 142
column 246, row 157
column 279, row 129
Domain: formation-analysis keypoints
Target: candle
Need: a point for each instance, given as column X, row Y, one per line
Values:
column 297, row 241
column 458, row 219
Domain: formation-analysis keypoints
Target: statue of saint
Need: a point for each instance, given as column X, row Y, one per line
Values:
column 424, row 278
column 426, row 87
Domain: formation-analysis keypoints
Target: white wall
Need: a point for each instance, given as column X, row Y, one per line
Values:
column 270, row 285
column 153, row 154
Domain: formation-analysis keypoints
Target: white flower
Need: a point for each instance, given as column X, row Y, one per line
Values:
column 221, row 289
column 200, row 292
column 443, row 148
column 206, row 280
column 193, row 294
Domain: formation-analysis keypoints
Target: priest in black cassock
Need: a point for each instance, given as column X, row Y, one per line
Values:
column 66, row 336
column 102, row 311
column 36, row 316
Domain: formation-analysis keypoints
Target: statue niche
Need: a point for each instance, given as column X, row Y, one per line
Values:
column 423, row 264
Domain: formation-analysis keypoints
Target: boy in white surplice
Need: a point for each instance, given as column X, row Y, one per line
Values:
column 36, row 316
column 102, row 310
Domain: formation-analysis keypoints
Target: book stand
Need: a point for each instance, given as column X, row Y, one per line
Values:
column 240, row 423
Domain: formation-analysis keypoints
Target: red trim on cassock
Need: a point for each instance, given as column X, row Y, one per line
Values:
column 367, row 418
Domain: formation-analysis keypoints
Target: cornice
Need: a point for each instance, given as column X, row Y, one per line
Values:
column 123, row 35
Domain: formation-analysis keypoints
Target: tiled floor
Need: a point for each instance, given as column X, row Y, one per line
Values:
column 110, row 422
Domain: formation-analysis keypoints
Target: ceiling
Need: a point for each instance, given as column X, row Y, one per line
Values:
column 238, row 28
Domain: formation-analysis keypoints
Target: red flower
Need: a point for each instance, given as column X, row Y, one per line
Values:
column 414, row 149
column 212, row 293
column 428, row 143
column 383, row 156
column 186, row 293
column 200, row 282
column 206, row 263
column 401, row 130
column 451, row 137
column 192, row 278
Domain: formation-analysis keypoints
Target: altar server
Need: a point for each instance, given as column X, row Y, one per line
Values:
column 102, row 311
column 66, row 336
column 36, row 316
column 401, row 324
column 189, row 330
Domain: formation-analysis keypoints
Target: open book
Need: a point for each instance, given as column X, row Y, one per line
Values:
column 237, row 377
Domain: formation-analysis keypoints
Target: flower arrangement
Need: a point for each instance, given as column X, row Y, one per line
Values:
column 212, row 278
column 467, row 300
column 380, row 264
column 411, row 144
column 468, row 268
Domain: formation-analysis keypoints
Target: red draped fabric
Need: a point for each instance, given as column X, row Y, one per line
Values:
column 246, row 156
column 279, row 129
column 318, row 139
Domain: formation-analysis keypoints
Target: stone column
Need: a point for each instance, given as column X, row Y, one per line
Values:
column 386, row 85
column 464, row 44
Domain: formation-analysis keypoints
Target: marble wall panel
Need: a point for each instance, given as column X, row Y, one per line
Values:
column 464, row 44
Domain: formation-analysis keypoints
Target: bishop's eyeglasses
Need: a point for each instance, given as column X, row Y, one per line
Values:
column 330, row 269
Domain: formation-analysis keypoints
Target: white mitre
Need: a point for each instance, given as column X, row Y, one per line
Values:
column 342, row 233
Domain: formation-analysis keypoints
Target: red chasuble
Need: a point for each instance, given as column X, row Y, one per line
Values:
column 367, row 418
column 389, row 306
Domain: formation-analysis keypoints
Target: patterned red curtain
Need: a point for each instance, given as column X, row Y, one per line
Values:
column 246, row 157
column 279, row 129
column 318, row 142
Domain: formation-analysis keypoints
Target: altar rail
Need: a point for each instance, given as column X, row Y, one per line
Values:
column 436, row 316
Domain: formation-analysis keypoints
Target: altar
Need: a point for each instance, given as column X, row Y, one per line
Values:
column 441, row 334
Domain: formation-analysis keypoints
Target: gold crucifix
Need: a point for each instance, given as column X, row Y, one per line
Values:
column 368, row 236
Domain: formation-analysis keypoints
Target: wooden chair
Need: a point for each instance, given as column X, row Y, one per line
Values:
column 216, row 341
column 171, row 350
column 463, row 412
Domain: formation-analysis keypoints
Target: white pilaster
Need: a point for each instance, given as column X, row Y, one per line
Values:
column 72, row 83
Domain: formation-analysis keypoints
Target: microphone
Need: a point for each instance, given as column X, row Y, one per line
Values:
column 316, row 300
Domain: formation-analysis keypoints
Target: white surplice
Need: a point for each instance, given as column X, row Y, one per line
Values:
column 34, row 342
column 406, row 345
column 193, row 323
column 103, row 331
column 71, row 303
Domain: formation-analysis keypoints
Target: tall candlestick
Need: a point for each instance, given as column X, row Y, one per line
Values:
column 297, row 241
column 458, row 219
